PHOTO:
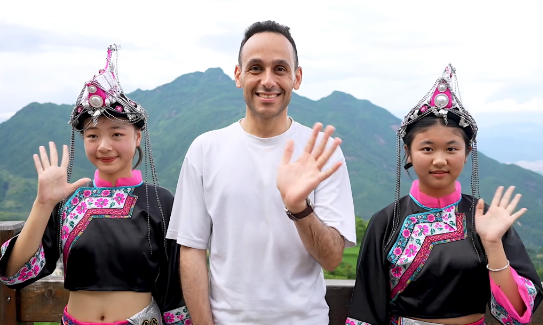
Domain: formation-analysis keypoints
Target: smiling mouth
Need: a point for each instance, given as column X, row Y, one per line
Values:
column 267, row 96
column 109, row 159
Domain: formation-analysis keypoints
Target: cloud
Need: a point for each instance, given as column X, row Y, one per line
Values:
column 536, row 166
column 387, row 52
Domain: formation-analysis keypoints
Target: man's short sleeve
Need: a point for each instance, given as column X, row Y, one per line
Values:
column 334, row 201
column 190, row 223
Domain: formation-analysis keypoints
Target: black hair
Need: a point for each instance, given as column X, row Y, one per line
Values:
column 272, row 27
column 427, row 122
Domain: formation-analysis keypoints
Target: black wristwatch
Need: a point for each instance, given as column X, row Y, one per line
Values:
column 297, row 216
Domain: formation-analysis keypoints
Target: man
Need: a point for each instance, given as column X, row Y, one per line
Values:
column 234, row 186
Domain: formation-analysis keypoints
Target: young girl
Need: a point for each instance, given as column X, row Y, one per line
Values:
column 437, row 256
column 110, row 232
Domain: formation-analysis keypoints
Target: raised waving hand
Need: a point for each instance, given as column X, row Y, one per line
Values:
column 296, row 180
column 499, row 217
column 53, row 183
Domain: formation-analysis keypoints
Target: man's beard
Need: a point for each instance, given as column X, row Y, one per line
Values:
column 264, row 117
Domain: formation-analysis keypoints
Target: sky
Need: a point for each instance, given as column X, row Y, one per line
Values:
column 389, row 52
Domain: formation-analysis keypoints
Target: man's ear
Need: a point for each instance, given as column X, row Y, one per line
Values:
column 237, row 76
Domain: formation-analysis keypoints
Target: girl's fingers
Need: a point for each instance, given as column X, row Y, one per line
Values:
column 518, row 214
column 497, row 196
column 507, row 197
column 53, row 153
column 65, row 157
column 512, row 206
column 37, row 163
column 480, row 208
column 44, row 159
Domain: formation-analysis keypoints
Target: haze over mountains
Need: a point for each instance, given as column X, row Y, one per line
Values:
column 198, row 102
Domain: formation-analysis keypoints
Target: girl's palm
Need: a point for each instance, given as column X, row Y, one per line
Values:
column 499, row 217
column 53, row 183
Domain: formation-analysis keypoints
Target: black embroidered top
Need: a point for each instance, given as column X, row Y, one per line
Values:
column 110, row 239
column 432, row 269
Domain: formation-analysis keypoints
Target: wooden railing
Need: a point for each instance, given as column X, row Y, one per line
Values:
column 44, row 300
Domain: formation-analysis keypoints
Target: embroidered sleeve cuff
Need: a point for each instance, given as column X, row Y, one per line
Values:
column 352, row 321
column 501, row 307
column 178, row 316
column 29, row 271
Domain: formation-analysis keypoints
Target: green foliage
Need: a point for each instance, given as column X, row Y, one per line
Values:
column 343, row 271
column 537, row 258
column 361, row 226
column 202, row 101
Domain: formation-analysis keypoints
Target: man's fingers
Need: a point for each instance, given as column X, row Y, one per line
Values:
column 323, row 159
column 65, row 157
column 311, row 142
column 513, row 205
column 507, row 197
column 497, row 196
column 322, row 145
column 287, row 154
column 43, row 157
column 327, row 173
column 37, row 163
column 53, row 153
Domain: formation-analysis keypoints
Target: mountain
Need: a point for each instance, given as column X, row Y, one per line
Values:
column 198, row 102
column 519, row 139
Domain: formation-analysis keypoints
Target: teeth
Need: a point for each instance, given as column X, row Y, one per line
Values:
column 267, row 96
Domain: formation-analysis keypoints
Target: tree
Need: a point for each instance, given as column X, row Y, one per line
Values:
column 361, row 226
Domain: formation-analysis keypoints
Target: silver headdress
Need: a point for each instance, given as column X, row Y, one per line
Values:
column 104, row 96
column 443, row 100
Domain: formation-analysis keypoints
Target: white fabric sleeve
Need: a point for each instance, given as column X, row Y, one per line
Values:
column 190, row 223
column 334, row 201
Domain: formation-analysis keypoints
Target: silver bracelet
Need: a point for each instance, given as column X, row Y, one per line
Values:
column 497, row 270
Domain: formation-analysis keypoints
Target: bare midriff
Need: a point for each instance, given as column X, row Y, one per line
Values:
column 106, row 306
column 455, row 321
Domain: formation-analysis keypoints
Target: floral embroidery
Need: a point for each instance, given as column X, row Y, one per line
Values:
column 419, row 234
column 501, row 313
column 352, row 321
column 92, row 204
column 30, row 270
column 119, row 198
column 65, row 232
column 178, row 316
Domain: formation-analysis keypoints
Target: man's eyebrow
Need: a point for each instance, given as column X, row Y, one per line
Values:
column 275, row 62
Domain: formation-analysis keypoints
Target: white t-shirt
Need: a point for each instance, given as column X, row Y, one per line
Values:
column 227, row 201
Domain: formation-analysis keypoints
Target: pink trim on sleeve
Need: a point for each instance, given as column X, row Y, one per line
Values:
column 504, row 310
column 352, row 321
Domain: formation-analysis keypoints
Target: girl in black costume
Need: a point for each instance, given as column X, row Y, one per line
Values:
column 437, row 256
column 109, row 232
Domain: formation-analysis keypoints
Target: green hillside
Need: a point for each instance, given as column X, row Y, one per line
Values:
column 198, row 102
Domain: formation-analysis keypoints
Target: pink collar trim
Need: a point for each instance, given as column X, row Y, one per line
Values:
column 123, row 181
column 432, row 202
